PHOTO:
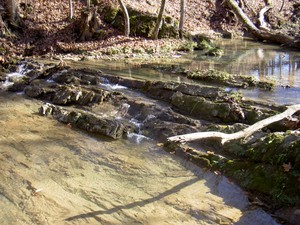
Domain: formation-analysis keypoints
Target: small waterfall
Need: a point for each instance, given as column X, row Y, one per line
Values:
column 137, row 137
column 107, row 85
column 12, row 77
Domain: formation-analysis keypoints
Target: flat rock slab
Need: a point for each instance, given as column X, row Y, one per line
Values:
column 52, row 174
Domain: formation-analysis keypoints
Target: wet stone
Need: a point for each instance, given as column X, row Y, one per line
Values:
column 2, row 76
column 104, row 125
column 79, row 76
column 202, row 108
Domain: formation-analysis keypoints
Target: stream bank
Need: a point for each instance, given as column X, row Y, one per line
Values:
column 55, row 174
column 135, row 109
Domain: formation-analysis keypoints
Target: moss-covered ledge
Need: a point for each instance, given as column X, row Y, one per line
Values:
column 268, row 164
column 142, row 24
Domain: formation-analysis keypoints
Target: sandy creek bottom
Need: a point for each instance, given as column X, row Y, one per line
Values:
column 53, row 174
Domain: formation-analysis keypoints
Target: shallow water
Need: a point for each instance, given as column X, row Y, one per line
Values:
column 53, row 174
column 263, row 61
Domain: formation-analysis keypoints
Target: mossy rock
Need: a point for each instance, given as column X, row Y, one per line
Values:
column 141, row 24
column 202, row 108
column 204, row 44
column 272, row 181
column 277, row 149
column 233, row 80
column 187, row 46
column 210, row 75
column 217, row 52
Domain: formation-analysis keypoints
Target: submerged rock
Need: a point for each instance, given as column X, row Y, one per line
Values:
column 267, row 163
column 200, row 107
column 104, row 125
column 83, row 76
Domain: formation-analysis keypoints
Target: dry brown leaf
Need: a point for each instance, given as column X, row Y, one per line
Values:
column 287, row 167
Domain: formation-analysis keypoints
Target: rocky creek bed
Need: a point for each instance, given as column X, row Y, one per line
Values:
column 265, row 164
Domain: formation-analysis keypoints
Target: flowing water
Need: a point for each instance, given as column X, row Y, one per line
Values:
column 54, row 174
column 262, row 61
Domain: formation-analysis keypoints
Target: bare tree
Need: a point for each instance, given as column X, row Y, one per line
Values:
column 159, row 19
column 12, row 11
column 181, row 21
column 70, row 10
column 2, row 26
column 88, row 4
column 126, row 18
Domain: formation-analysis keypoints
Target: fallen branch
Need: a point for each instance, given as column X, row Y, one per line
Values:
column 262, row 22
column 240, row 134
column 263, row 34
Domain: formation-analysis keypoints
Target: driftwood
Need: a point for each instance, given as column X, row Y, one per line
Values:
column 262, row 22
column 240, row 134
column 262, row 34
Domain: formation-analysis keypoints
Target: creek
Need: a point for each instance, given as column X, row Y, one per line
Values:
column 52, row 173
column 241, row 57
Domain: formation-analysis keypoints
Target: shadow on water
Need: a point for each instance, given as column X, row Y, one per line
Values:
column 36, row 145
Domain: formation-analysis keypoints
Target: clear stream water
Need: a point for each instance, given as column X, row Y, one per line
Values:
column 53, row 174
column 262, row 61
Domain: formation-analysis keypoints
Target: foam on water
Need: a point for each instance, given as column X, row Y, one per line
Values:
column 10, row 77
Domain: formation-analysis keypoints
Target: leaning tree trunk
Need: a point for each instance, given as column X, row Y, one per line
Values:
column 262, row 34
column 159, row 19
column 181, row 21
column 126, row 18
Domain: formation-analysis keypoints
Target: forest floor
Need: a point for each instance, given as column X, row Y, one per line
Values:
column 47, row 28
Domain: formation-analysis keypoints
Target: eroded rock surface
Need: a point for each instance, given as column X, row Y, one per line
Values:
column 93, row 101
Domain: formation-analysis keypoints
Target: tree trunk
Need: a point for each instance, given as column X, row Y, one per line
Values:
column 273, row 36
column 159, row 19
column 126, row 18
column 2, row 26
column 70, row 10
column 11, row 9
column 88, row 4
column 181, row 21
column 238, row 135
column 90, row 23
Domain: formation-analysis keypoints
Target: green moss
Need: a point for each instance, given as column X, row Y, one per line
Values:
column 266, row 85
column 141, row 24
column 187, row 46
column 126, row 50
column 202, row 108
column 204, row 44
column 110, row 14
column 201, row 161
column 113, row 51
column 210, row 75
column 271, row 181
column 268, row 150
column 266, row 179
column 215, row 52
